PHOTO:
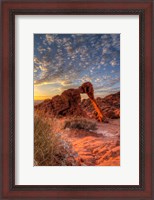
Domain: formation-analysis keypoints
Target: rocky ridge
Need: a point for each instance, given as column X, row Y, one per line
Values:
column 110, row 106
column 69, row 104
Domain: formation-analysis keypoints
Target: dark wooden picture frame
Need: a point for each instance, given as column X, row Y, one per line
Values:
column 12, row 8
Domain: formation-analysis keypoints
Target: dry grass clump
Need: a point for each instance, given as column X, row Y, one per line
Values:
column 49, row 149
column 80, row 123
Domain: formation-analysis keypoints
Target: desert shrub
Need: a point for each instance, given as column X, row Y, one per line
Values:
column 80, row 123
column 49, row 149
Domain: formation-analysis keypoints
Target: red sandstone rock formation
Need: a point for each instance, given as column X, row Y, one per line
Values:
column 88, row 89
column 66, row 104
column 110, row 106
column 69, row 104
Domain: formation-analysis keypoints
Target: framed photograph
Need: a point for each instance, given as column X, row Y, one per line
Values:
column 76, row 99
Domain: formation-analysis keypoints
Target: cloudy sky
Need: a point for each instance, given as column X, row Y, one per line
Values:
column 63, row 61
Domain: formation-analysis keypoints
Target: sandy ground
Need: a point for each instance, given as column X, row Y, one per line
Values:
column 96, row 148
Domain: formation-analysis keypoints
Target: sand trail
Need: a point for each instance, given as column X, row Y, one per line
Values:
column 96, row 148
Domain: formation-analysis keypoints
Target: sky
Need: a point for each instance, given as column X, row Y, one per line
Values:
column 64, row 61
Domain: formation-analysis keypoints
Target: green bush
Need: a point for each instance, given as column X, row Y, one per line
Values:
column 80, row 123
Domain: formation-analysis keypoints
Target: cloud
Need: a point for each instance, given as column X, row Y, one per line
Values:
column 42, row 68
column 71, row 59
column 49, row 38
column 49, row 49
column 41, row 50
column 113, row 63
column 36, row 60
column 66, row 82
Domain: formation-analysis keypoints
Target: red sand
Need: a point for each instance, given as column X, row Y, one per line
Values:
column 96, row 148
